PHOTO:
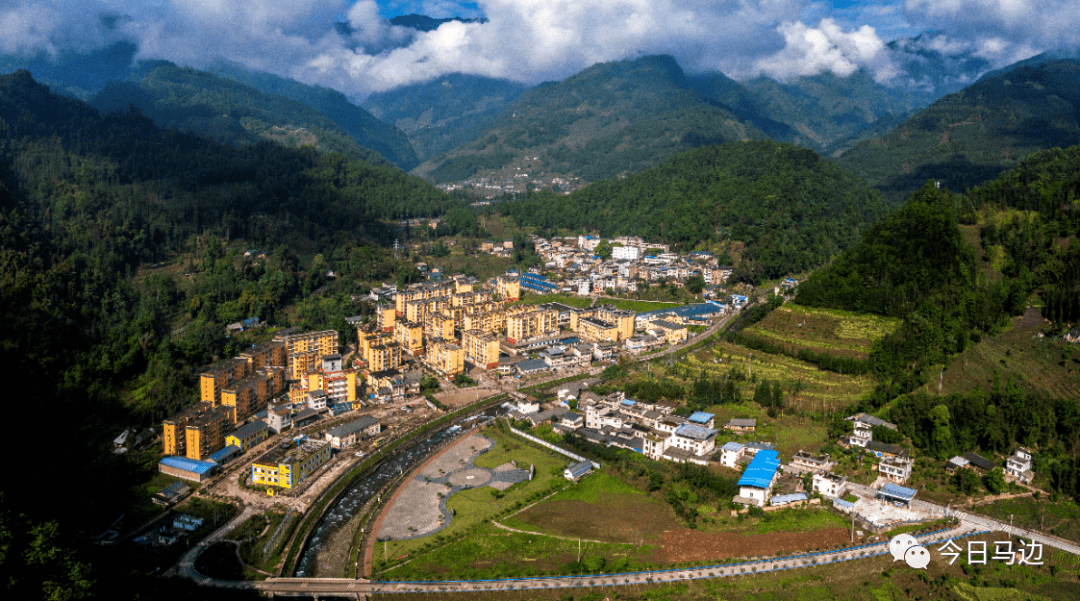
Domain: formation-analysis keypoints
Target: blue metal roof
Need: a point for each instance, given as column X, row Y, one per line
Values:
column 701, row 417
column 761, row 470
column 686, row 310
column 898, row 492
column 785, row 499
column 224, row 454
column 732, row 446
column 842, row 503
column 695, row 431
column 629, row 402
column 191, row 465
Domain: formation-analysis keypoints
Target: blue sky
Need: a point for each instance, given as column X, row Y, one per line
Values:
column 539, row 40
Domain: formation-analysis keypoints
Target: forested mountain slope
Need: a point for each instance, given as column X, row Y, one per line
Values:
column 610, row 119
column 969, row 137
column 185, row 99
column 789, row 208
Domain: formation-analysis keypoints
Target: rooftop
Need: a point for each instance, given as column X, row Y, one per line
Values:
column 190, row 465
column 290, row 452
column 701, row 417
column 695, row 431
column 249, row 429
column 896, row 491
column 354, row 426
column 761, row 470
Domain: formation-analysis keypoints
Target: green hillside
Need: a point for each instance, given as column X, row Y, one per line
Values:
column 969, row 137
column 788, row 208
column 447, row 112
column 610, row 119
column 185, row 99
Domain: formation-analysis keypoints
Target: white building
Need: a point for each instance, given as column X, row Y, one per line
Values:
column 896, row 469
column 1019, row 465
column 626, row 253
column 829, row 484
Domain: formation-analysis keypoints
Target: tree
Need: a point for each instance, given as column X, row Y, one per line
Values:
column 603, row 250
column 695, row 284
column 966, row 481
column 995, row 481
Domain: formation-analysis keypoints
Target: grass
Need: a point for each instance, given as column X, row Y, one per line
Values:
column 833, row 332
column 796, row 519
column 477, row 505
column 1061, row 518
column 806, row 386
column 638, row 306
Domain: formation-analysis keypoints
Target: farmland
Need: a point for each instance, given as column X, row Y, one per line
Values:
column 806, row 386
column 837, row 333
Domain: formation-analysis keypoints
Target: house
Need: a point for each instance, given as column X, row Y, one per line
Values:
column 279, row 417
column 730, row 454
column 346, row 435
column 805, row 462
column 1019, row 465
column 741, row 426
column 828, row 484
column 702, row 419
column 693, row 438
column 781, row 500
column 896, row 469
column 248, row 435
column 577, row 470
column 531, row 366
column 757, row 480
column 978, row 462
column 881, row 449
column 956, row 463
column 317, row 400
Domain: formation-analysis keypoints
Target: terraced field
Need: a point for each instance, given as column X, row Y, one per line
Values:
column 837, row 333
column 805, row 385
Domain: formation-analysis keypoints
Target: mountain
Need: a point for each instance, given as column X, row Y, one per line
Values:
column 784, row 209
column 969, row 137
column 75, row 74
column 444, row 113
column 828, row 110
column 360, row 125
column 227, row 111
column 610, row 119
column 426, row 23
column 929, row 68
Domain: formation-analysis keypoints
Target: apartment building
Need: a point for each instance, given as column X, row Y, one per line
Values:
column 385, row 317
column 410, row 336
column 508, row 287
column 290, row 464
column 197, row 431
column 445, row 357
column 420, row 292
column 271, row 354
column 488, row 318
column 480, row 348
column 214, row 378
column 525, row 322
column 247, row 396
column 438, row 326
column 304, row 351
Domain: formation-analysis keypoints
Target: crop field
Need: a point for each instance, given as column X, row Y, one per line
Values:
column 817, row 389
column 790, row 433
column 600, row 507
column 1049, row 366
column 837, row 333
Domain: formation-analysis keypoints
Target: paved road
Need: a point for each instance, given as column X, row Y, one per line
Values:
column 343, row 586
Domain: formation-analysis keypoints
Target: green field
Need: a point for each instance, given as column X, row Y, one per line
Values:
column 817, row 389
column 1061, row 518
column 838, row 333
column 637, row 306
column 478, row 505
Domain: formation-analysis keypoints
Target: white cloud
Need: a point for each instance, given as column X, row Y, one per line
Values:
column 531, row 40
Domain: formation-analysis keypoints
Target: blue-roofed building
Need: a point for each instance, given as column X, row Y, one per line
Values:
column 758, row 478
column 628, row 402
column 842, row 505
column 186, row 469
column 577, row 470
column 698, row 310
column 778, row 500
column 705, row 419
column 894, row 493
column 225, row 454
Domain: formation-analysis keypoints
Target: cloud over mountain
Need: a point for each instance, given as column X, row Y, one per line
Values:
column 526, row 40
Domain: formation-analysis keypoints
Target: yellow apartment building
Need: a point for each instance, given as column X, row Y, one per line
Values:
column 383, row 357
column 290, row 464
column 216, row 377
column 621, row 320
column 445, row 357
column 205, row 434
column 385, row 315
column 508, row 287
column 480, row 348
column 421, row 291
column 438, row 326
column 592, row 329
column 270, row 354
column 304, row 351
column 524, row 322
column 247, row 396
column 410, row 335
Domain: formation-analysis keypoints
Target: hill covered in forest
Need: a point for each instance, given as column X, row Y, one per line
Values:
column 612, row 118
column 969, row 137
column 785, row 208
column 228, row 111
